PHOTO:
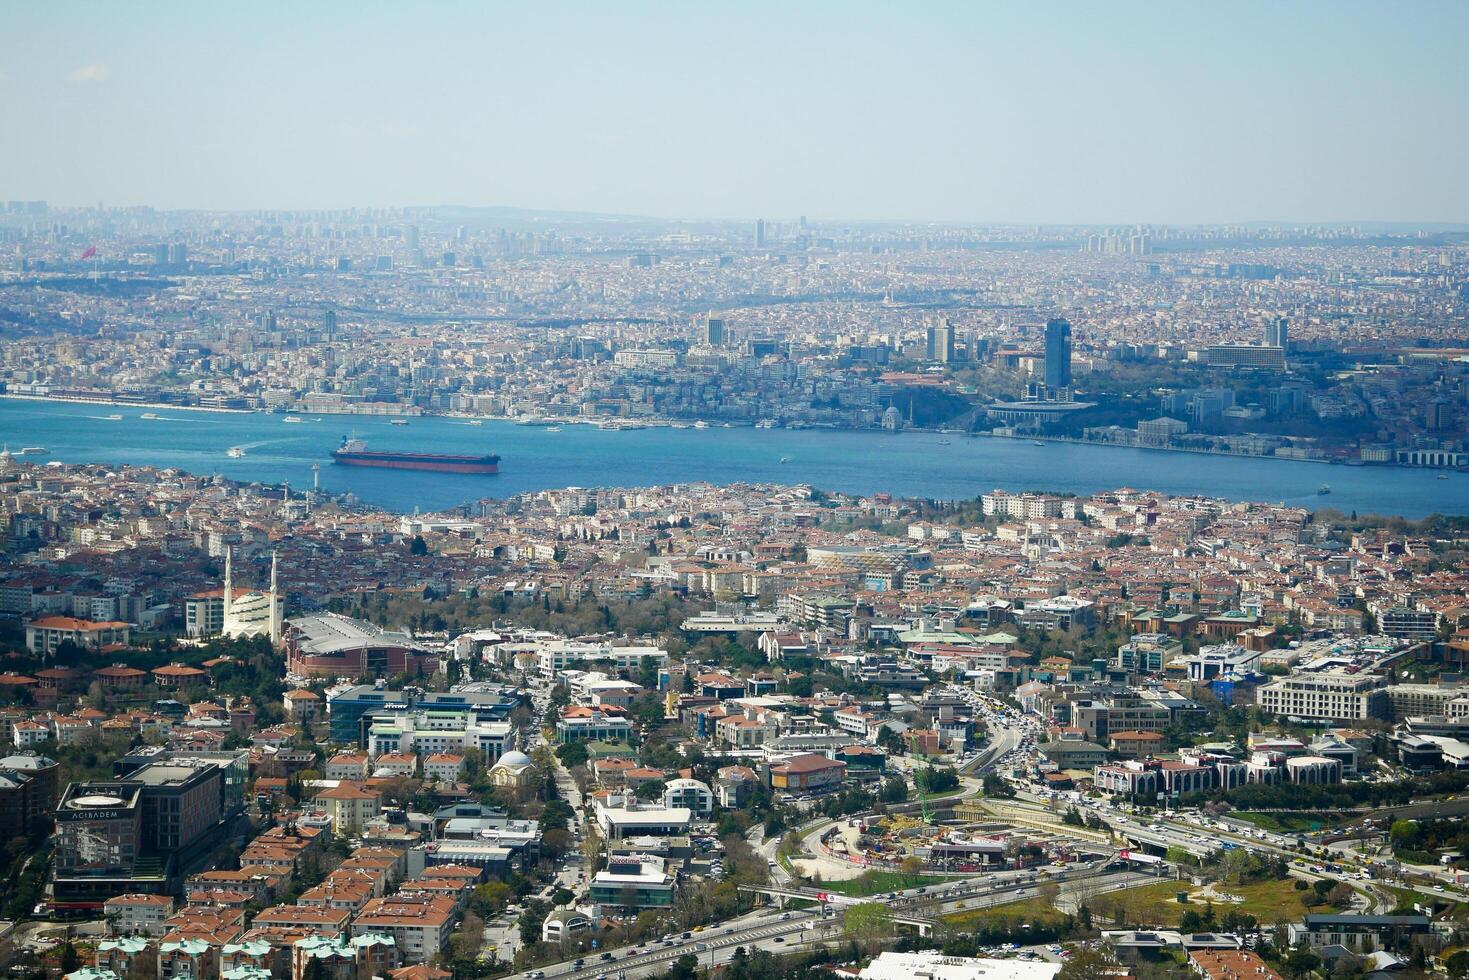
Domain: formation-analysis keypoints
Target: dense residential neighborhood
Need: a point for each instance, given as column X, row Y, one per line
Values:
column 320, row 737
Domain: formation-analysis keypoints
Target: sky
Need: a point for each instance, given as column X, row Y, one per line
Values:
column 1100, row 112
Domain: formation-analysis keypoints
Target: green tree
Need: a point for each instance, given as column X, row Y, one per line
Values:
column 1300, row 962
column 1089, row 964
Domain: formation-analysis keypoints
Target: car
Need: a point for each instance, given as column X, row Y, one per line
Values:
column 607, row 956
column 784, row 916
column 579, row 962
column 688, row 935
column 779, row 939
column 535, row 975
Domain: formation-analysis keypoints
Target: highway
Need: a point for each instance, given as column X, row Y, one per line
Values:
column 1010, row 751
column 770, row 928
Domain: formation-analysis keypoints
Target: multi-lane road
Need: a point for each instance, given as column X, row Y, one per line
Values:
column 772, row 929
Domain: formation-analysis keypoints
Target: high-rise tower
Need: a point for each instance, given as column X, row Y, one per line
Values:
column 1277, row 332
column 1058, row 356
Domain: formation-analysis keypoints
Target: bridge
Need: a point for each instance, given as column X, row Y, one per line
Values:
column 924, row 924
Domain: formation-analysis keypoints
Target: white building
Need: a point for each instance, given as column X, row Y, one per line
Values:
column 434, row 732
column 251, row 613
column 1328, row 695
column 558, row 655
column 689, row 794
column 930, row 964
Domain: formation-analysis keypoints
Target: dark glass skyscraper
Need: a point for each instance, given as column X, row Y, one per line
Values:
column 1058, row 355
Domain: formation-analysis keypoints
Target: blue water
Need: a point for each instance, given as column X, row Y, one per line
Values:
column 910, row 464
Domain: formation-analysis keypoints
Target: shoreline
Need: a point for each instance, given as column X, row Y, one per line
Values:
column 597, row 423
column 1068, row 440
column 116, row 404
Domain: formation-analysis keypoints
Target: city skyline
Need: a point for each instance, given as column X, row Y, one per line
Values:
column 1298, row 113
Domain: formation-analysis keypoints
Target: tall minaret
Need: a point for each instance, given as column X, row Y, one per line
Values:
column 275, row 601
column 229, row 574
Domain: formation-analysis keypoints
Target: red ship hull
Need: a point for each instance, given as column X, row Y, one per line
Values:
column 411, row 461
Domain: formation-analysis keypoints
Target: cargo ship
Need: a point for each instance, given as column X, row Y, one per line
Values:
column 353, row 452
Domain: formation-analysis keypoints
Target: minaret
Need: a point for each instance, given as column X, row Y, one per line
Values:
column 229, row 554
column 275, row 602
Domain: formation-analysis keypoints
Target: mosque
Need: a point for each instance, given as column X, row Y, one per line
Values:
column 252, row 613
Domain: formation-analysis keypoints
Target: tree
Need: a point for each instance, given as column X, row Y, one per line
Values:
column 995, row 786
column 868, row 923
column 532, row 917
column 652, row 789
column 418, row 546
column 1406, row 835
column 1300, row 962
column 572, row 754
column 932, row 780
column 1089, row 964
column 70, row 960
column 490, row 898
column 466, row 941
column 684, row 968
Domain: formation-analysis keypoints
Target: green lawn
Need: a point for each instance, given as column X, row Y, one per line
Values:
column 877, row 882
column 1036, row 910
column 1287, row 823
column 1157, row 904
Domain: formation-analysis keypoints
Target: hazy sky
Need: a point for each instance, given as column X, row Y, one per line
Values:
column 1102, row 111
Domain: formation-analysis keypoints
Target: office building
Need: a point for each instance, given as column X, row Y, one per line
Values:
column 941, row 341
column 135, row 835
column 1327, row 696
column 353, row 711
column 28, row 785
column 1058, row 355
column 714, row 332
column 759, row 232
column 1245, row 356
column 1277, row 332
column 631, row 883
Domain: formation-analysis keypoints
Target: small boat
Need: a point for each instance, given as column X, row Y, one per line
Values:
column 397, row 421
column 114, row 417
column 150, row 415
column 34, row 450
column 946, row 442
column 235, row 452
column 474, row 422
column 701, row 424
column 1323, row 490
column 1441, row 476
column 295, row 419
column 1038, row 443
column 553, row 428
column 765, row 424
column 785, row 459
